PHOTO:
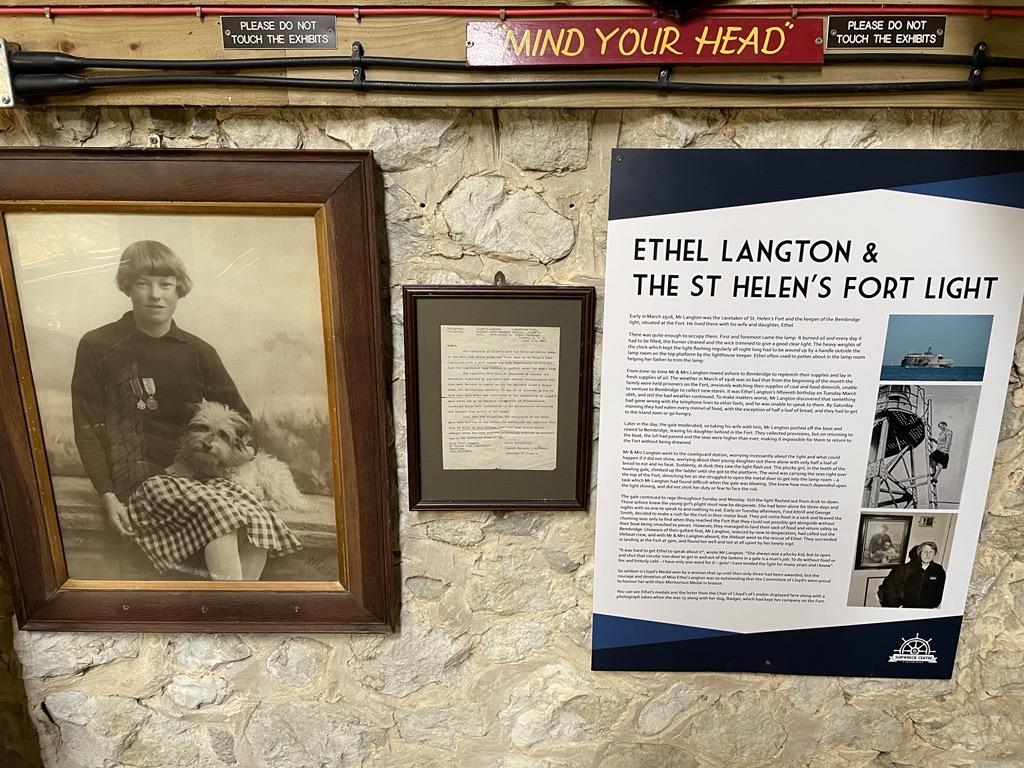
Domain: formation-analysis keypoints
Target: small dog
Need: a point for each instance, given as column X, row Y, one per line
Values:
column 218, row 443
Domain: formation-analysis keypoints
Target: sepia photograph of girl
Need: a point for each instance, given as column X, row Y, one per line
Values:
column 179, row 369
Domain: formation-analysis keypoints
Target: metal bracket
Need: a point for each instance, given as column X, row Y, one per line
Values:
column 358, row 78
column 358, row 68
column 978, row 64
column 6, row 81
column 663, row 75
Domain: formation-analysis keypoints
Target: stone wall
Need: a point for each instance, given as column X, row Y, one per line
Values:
column 491, row 666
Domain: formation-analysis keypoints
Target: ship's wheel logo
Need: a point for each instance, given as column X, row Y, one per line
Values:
column 916, row 650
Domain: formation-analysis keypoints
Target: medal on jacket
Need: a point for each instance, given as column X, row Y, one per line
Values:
column 150, row 386
column 137, row 391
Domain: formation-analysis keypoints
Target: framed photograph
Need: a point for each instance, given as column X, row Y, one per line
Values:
column 194, row 391
column 882, row 540
column 498, row 392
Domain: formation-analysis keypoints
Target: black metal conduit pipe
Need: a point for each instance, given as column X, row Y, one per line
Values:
column 62, row 84
column 42, row 62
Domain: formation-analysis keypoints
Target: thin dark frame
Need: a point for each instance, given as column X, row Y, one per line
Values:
column 582, row 429
column 903, row 520
column 337, row 189
column 871, row 588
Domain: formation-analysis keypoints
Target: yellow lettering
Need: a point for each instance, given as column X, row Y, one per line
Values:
column 568, row 41
column 518, row 47
column 705, row 40
column 604, row 40
column 556, row 45
column 666, row 44
column 750, row 40
column 622, row 42
column 781, row 33
column 729, row 37
column 654, row 48
column 536, row 43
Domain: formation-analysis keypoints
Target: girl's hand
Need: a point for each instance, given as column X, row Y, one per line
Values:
column 117, row 514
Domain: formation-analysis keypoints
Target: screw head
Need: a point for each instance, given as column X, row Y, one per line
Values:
column 6, row 99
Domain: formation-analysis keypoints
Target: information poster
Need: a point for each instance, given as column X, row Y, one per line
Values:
column 804, row 368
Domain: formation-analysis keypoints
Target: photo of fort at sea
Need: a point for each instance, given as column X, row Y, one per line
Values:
column 936, row 347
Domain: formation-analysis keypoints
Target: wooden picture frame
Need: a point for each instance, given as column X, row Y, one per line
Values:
column 882, row 541
column 236, row 212
column 498, row 396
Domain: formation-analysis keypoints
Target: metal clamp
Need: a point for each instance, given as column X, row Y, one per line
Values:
column 663, row 81
column 978, row 63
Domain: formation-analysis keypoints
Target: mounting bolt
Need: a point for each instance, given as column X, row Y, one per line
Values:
column 204, row 609
column 124, row 607
column 6, row 100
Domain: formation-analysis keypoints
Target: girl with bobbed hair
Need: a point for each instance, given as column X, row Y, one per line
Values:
column 135, row 385
column 150, row 257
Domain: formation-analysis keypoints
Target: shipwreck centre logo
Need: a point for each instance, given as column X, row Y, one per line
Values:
column 916, row 650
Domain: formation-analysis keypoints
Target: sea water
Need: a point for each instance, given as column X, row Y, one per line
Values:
column 956, row 373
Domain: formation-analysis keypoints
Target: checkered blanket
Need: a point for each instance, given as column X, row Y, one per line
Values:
column 174, row 517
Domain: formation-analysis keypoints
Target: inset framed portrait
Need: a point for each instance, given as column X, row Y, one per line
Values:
column 192, row 358
column 498, row 388
column 882, row 540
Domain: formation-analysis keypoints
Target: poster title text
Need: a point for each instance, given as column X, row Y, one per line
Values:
column 662, row 256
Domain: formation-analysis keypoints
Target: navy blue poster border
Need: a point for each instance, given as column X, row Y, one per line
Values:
column 648, row 182
column 924, row 648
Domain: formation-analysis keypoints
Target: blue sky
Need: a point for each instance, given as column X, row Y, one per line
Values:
column 964, row 338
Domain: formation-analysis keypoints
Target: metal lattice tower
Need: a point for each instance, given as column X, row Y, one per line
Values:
column 898, row 459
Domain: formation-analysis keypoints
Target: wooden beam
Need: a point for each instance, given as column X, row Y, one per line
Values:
column 438, row 37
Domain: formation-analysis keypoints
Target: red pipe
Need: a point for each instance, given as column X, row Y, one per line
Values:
column 563, row 12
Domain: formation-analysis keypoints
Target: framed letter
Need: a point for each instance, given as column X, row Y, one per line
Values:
column 498, row 386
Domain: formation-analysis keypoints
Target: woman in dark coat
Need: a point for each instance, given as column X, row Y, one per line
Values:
column 917, row 583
